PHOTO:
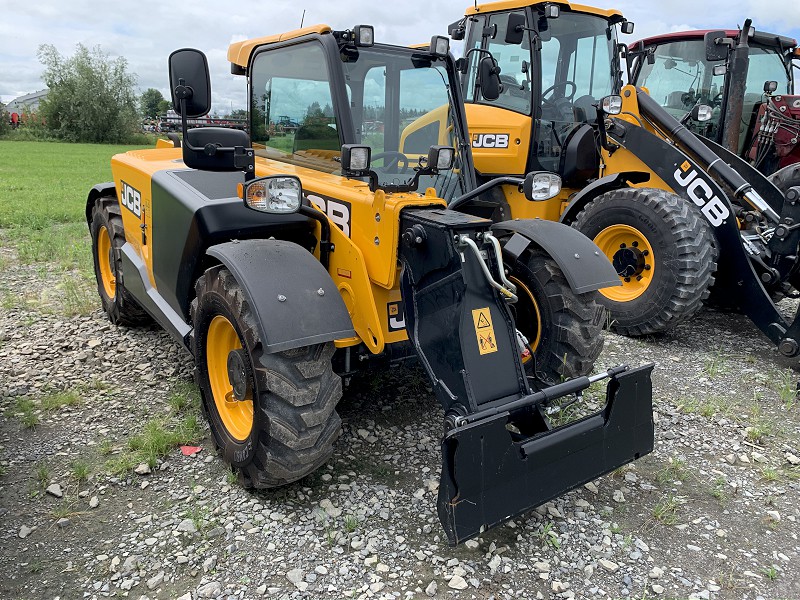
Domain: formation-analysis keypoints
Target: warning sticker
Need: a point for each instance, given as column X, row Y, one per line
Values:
column 484, row 331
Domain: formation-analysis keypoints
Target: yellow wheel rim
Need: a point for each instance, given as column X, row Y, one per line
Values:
column 632, row 256
column 529, row 315
column 236, row 415
column 104, row 262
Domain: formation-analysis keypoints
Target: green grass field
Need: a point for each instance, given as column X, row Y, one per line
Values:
column 43, row 190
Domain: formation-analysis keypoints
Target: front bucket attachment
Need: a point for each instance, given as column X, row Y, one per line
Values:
column 491, row 474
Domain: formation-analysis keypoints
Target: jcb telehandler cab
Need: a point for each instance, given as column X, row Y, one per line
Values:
column 287, row 260
column 745, row 77
column 668, row 212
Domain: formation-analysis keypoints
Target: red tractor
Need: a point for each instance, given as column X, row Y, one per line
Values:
column 745, row 76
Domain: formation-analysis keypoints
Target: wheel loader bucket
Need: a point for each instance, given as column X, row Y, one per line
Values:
column 507, row 463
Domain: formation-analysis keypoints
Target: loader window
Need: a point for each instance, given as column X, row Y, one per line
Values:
column 292, row 116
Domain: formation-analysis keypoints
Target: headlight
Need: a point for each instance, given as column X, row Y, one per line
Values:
column 541, row 185
column 355, row 158
column 441, row 158
column 611, row 105
column 703, row 112
column 278, row 194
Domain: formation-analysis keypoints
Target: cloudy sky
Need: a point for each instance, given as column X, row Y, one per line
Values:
column 145, row 32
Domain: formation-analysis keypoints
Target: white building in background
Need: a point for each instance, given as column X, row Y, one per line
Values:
column 29, row 102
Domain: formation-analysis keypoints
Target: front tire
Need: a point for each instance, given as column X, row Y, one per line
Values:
column 786, row 177
column 278, row 423
column 663, row 250
column 564, row 329
column 108, row 236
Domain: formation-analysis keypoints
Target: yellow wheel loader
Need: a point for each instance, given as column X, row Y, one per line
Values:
column 292, row 257
column 680, row 218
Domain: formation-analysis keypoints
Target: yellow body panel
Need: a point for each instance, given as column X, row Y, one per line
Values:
column 624, row 160
column 136, row 168
column 239, row 52
column 504, row 5
column 522, row 208
column 481, row 120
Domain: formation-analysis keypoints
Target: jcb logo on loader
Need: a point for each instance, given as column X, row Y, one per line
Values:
column 131, row 199
column 338, row 211
column 701, row 194
column 490, row 140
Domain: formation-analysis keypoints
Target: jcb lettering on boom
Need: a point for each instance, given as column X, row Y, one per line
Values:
column 338, row 211
column 702, row 195
column 132, row 199
column 490, row 140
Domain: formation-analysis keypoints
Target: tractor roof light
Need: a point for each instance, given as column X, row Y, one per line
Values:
column 552, row 11
column 364, row 35
column 440, row 46
column 356, row 159
column 441, row 158
column 770, row 87
column 611, row 105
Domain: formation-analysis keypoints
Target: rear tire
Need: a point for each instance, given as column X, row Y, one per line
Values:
column 108, row 237
column 664, row 246
column 563, row 328
column 290, row 426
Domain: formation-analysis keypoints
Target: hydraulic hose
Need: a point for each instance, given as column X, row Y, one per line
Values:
column 715, row 166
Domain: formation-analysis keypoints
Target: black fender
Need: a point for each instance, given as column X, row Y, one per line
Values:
column 586, row 268
column 98, row 191
column 598, row 187
column 294, row 299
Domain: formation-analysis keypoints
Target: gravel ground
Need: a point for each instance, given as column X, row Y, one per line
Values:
column 711, row 513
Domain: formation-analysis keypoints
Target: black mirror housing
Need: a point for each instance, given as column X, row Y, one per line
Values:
column 489, row 77
column 189, row 80
column 715, row 49
column 515, row 29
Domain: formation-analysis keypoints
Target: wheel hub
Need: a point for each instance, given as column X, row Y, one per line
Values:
column 629, row 261
column 237, row 374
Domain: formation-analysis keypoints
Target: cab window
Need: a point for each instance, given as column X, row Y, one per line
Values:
column 291, row 108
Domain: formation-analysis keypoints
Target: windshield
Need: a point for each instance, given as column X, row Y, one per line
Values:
column 401, row 106
column 681, row 77
column 399, row 102
column 578, row 68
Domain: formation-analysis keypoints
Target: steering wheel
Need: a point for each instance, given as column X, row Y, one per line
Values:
column 558, row 85
column 392, row 159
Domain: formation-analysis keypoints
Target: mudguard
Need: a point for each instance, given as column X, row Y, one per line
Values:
column 293, row 297
column 490, row 474
column 586, row 268
column 98, row 191
column 600, row 186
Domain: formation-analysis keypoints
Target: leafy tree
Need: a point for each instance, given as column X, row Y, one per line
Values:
column 5, row 125
column 150, row 103
column 163, row 107
column 91, row 96
column 238, row 113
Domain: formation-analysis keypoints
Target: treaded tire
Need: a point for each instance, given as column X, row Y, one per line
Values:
column 786, row 177
column 571, row 324
column 294, row 393
column 684, row 252
column 121, row 307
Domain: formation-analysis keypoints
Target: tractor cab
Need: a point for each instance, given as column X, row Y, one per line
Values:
column 557, row 62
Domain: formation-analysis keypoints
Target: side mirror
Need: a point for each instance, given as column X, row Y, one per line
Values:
column 489, row 78
column 515, row 29
column 541, row 185
column 276, row 194
column 190, row 82
column 715, row 49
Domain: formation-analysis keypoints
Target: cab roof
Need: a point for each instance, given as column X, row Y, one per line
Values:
column 760, row 37
column 514, row 4
column 239, row 52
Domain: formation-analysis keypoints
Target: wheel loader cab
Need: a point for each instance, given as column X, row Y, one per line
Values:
column 557, row 64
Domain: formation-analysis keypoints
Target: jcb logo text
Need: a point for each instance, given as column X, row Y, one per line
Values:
column 490, row 140
column 702, row 195
column 131, row 199
column 338, row 211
